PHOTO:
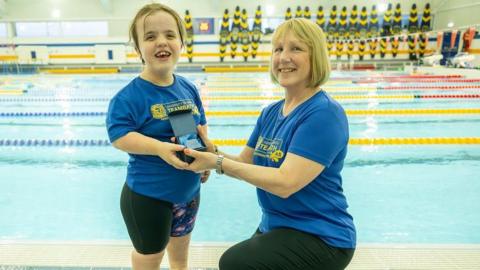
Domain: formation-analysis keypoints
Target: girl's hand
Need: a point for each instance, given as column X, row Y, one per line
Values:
column 202, row 133
column 204, row 177
column 203, row 160
column 168, row 153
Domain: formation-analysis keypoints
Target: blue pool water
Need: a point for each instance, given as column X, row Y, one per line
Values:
column 397, row 194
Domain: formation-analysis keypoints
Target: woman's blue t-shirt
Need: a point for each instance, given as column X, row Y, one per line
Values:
column 317, row 130
column 143, row 107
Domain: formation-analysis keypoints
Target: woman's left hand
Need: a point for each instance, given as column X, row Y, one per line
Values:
column 203, row 160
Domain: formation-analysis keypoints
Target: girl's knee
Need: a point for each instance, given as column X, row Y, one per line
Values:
column 149, row 261
column 153, row 257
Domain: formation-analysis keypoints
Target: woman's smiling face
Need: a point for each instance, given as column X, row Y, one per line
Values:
column 291, row 61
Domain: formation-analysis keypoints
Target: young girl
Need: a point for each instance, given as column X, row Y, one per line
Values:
column 159, row 200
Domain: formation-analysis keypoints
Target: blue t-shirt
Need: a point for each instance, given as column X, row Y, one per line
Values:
column 317, row 130
column 143, row 107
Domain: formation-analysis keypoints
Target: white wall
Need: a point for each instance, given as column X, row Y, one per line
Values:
column 125, row 9
column 119, row 13
column 461, row 12
column 24, row 54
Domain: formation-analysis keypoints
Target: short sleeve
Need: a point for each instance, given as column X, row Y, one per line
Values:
column 320, row 137
column 252, row 141
column 198, row 103
column 120, row 119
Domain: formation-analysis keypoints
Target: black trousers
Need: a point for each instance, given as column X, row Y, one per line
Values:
column 285, row 249
column 148, row 221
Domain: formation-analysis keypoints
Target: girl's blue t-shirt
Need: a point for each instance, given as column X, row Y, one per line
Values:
column 317, row 130
column 143, row 107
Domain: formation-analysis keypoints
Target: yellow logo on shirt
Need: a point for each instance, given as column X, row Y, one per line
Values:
column 269, row 148
column 276, row 156
column 158, row 111
column 161, row 111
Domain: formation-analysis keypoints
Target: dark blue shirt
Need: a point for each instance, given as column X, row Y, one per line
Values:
column 143, row 107
column 316, row 130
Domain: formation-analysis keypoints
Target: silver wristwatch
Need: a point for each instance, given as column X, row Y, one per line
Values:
column 219, row 162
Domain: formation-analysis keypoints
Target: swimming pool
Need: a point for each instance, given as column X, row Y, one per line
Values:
column 397, row 193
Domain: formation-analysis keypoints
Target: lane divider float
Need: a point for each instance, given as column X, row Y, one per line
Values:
column 242, row 142
column 349, row 112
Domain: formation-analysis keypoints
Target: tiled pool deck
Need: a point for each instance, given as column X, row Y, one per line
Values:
column 116, row 255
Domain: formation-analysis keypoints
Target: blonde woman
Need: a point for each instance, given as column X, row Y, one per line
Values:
column 294, row 157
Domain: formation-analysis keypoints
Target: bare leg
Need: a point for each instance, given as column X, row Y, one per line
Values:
column 177, row 250
column 146, row 262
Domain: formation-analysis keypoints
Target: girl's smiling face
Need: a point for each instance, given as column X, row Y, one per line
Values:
column 159, row 43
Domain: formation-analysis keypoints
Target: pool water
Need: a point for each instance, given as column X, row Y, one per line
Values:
column 397, row 194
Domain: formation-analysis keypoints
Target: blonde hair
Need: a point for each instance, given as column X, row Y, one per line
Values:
column 312, row 35
column 148, row 10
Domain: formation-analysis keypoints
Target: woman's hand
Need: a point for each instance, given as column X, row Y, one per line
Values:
column 168, row 153
column 203, row 160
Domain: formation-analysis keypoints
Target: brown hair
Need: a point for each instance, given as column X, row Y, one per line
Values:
column 313, row 36
column 148, row 10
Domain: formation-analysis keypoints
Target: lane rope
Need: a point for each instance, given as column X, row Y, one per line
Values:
column 242, row 142
column 349, row 112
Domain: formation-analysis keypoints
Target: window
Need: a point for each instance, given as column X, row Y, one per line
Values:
column 31, row 29
column 3, row 30
column 54, row 29
column 61, row 29
column 85, row 29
